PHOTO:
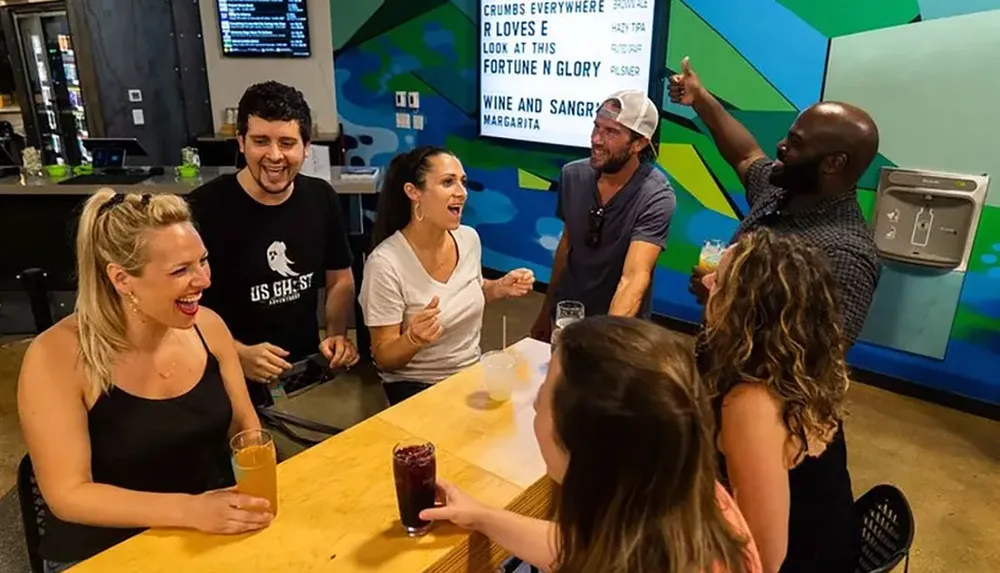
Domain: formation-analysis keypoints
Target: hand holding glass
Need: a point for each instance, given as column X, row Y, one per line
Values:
column 255, row 463
column 414, row 467
column 711, row 253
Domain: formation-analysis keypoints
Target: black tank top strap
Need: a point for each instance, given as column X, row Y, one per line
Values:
column 202, row 338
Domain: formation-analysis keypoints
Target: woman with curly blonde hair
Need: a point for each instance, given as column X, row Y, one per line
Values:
column 773, row 354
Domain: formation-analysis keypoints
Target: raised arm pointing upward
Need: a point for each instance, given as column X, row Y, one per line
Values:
column 809, row 191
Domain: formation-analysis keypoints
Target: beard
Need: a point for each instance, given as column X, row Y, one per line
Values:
column 613, row 163
column 799, row 177
column 260, row 175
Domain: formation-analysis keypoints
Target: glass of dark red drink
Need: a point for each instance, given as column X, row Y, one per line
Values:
column 414, row 466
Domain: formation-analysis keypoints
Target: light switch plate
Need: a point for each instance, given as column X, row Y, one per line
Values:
column 414, row 100
column 403, row 120
column 401, row 99
column 138, row 118
column 134, row 96
column 418, row 122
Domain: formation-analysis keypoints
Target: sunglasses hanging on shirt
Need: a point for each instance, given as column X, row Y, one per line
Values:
column 595, row 224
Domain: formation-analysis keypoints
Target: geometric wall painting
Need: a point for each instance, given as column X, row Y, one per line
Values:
column 842, row 17
column 933, row 9
column 925, row 122
column 778, row 44
column 721, row 68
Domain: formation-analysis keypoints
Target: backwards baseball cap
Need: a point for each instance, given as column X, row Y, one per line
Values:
column 635, row 111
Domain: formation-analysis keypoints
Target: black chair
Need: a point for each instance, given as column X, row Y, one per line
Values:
column 513, row 564
column 33, row 512
column 886, row 529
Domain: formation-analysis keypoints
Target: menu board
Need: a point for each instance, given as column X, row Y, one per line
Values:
column 264, row 28
column 545, row 67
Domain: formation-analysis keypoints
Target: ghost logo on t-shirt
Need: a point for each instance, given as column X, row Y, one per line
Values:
column 288, row 288
column 278, row 260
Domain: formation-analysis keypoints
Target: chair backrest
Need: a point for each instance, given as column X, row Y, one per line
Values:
column 886, row 529
column 33, row 512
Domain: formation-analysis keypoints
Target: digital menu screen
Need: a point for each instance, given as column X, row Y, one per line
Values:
column 546, row 66
column 264, row 28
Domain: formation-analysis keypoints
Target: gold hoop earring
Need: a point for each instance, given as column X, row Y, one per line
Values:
column 418, row 212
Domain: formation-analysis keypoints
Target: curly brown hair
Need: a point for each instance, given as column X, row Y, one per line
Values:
column 774, row 319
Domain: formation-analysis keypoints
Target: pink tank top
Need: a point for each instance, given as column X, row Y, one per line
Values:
column 735, row 518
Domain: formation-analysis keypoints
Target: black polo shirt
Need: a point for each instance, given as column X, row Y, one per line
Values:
column 835, row 226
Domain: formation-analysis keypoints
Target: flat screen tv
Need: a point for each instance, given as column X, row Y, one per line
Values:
column 264, row 28
column 546, row 67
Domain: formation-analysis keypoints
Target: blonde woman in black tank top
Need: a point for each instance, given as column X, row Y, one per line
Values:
column 128, row 404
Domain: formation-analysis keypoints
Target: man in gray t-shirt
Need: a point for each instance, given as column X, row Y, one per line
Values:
column 616, row 208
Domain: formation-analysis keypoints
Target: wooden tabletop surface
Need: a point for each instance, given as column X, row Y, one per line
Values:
column 458, row 416
column 337, row 503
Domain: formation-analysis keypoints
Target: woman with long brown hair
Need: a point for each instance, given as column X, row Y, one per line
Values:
column 624, row 426
column 423, row 292
column 128, row 404
column 773, row 354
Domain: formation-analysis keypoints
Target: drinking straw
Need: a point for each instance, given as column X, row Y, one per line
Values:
column 505, row 332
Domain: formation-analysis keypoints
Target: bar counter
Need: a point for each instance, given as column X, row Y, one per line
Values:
column 38, row 218
column 168, row 182
column 337, row 501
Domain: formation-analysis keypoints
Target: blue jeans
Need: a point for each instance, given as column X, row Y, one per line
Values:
column 57, row 566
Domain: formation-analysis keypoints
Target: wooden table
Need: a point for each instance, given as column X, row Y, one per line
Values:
column 337, row 502
column 458, row 416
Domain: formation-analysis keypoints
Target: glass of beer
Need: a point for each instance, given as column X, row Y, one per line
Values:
column 414, row 466
column 711, row 253
column 255, row 463
column 567, row 312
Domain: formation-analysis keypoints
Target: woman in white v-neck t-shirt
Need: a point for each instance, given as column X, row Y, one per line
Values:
column 423, row 292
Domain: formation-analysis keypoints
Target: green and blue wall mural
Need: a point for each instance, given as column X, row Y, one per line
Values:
column 925, row 69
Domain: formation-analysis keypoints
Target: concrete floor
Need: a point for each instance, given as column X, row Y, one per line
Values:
column 946, row 462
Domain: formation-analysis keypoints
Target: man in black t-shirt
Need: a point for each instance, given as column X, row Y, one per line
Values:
column 274, row 238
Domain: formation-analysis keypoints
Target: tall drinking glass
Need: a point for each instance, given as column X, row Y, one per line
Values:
column 711, row 253
column 255, row 463
column 499, row 371
column 567, row 312
column 414, row 467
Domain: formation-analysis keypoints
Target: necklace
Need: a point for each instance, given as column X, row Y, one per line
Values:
column 168, row 373
column 434, row 261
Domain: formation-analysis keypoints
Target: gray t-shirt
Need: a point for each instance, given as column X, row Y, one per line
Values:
column 640, row 211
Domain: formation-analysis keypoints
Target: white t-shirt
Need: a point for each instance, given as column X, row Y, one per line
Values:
column 396, row 286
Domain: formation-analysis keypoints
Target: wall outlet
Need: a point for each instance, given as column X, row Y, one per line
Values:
column 401, row 99
column 414, row 100
column 135, row 96
column 418, row 122
column 403, row 120
column 138, row 118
